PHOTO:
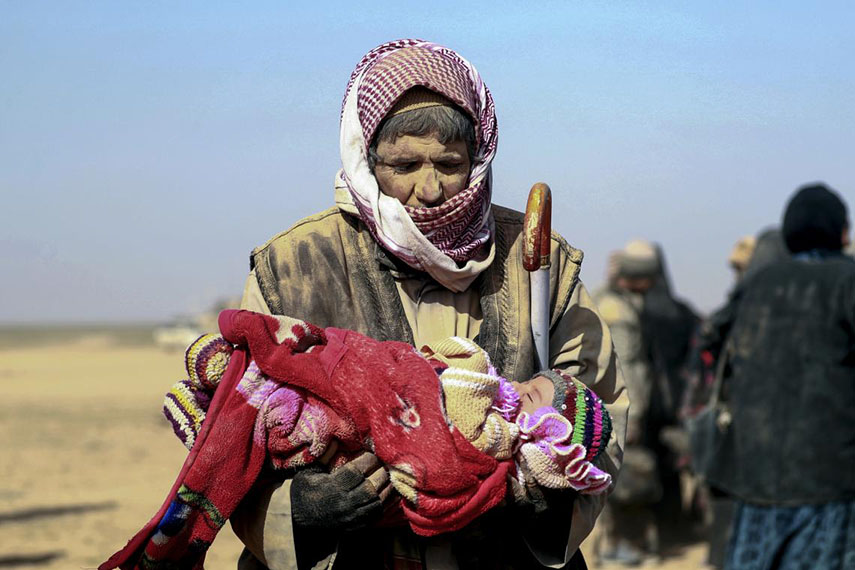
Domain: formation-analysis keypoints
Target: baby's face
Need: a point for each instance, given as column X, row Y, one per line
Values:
column 534, row 394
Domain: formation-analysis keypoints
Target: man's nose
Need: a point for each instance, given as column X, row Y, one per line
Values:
column 428, row 189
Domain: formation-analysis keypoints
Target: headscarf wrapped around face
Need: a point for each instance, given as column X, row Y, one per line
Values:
column 451, row 242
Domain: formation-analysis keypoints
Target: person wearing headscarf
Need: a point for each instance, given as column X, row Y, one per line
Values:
column 631, row 273
column 788, row 453
column 669, row 325
column 415, row 251
column 628, row 523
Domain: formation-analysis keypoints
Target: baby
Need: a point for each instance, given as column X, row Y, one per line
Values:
column 553, row 426
column 282, row 392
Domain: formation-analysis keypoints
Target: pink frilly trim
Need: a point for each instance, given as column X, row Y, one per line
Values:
column 547, row 455
column 507, row 400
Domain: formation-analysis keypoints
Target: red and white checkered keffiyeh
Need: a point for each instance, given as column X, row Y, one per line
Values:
column 448, row 241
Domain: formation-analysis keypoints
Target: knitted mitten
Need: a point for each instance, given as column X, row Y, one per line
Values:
column 187, row 402
column 206, row 360
column 185, row 406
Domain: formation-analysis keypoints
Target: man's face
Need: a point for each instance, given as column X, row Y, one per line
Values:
column 534, row 394
column 421, row 171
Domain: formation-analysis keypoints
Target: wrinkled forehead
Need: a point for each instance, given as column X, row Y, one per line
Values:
column 402, row 69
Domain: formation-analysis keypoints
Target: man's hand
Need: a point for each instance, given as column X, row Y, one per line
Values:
column 528, row 500
column 349, row 498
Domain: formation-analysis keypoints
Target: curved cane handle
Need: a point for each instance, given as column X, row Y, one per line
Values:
column 537, row 228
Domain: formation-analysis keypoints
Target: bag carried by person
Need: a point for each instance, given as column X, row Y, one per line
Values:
column 708, row 427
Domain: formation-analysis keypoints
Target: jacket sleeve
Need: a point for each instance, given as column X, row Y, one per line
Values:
column 581, row 344
column 252, row 299
column 263, row 520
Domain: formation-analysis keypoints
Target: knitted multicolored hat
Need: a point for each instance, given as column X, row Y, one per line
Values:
column 592, row 424
column 206, row 359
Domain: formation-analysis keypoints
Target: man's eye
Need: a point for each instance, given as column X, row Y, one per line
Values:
column 450, row 166
column 404, row 167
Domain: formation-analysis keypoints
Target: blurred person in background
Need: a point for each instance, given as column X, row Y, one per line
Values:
column 716, row 505
column 740, row 255
column 788, row 453
column 769, row 248
column 669, row 325
column 628, row 522
column 414, row 251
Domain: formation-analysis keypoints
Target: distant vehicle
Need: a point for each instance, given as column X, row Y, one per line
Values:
column 185, row 329
column 177, row 335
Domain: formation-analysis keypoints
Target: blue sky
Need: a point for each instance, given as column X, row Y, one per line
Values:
column 146, row 148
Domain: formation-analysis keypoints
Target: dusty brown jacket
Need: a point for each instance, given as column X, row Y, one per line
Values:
column 328, row 269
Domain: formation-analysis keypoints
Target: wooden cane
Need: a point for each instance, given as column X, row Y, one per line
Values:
column 537, row 231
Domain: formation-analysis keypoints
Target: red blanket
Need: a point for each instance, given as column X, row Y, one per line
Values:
column 382, row 396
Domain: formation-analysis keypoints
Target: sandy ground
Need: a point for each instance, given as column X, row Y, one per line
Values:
column 88, row 458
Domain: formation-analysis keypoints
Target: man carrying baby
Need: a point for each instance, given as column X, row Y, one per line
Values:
column 415, row 251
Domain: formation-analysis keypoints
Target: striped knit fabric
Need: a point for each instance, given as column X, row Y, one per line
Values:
column 471, row 388
column 206, row 360
column 187, row 402
column 592, row 424
column 185, row 406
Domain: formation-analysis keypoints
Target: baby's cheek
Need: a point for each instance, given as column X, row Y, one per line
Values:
column 528, row 406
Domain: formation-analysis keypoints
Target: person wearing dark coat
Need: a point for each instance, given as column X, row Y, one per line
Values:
column 768, row 248
column 668, row 325
column 788, row 453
